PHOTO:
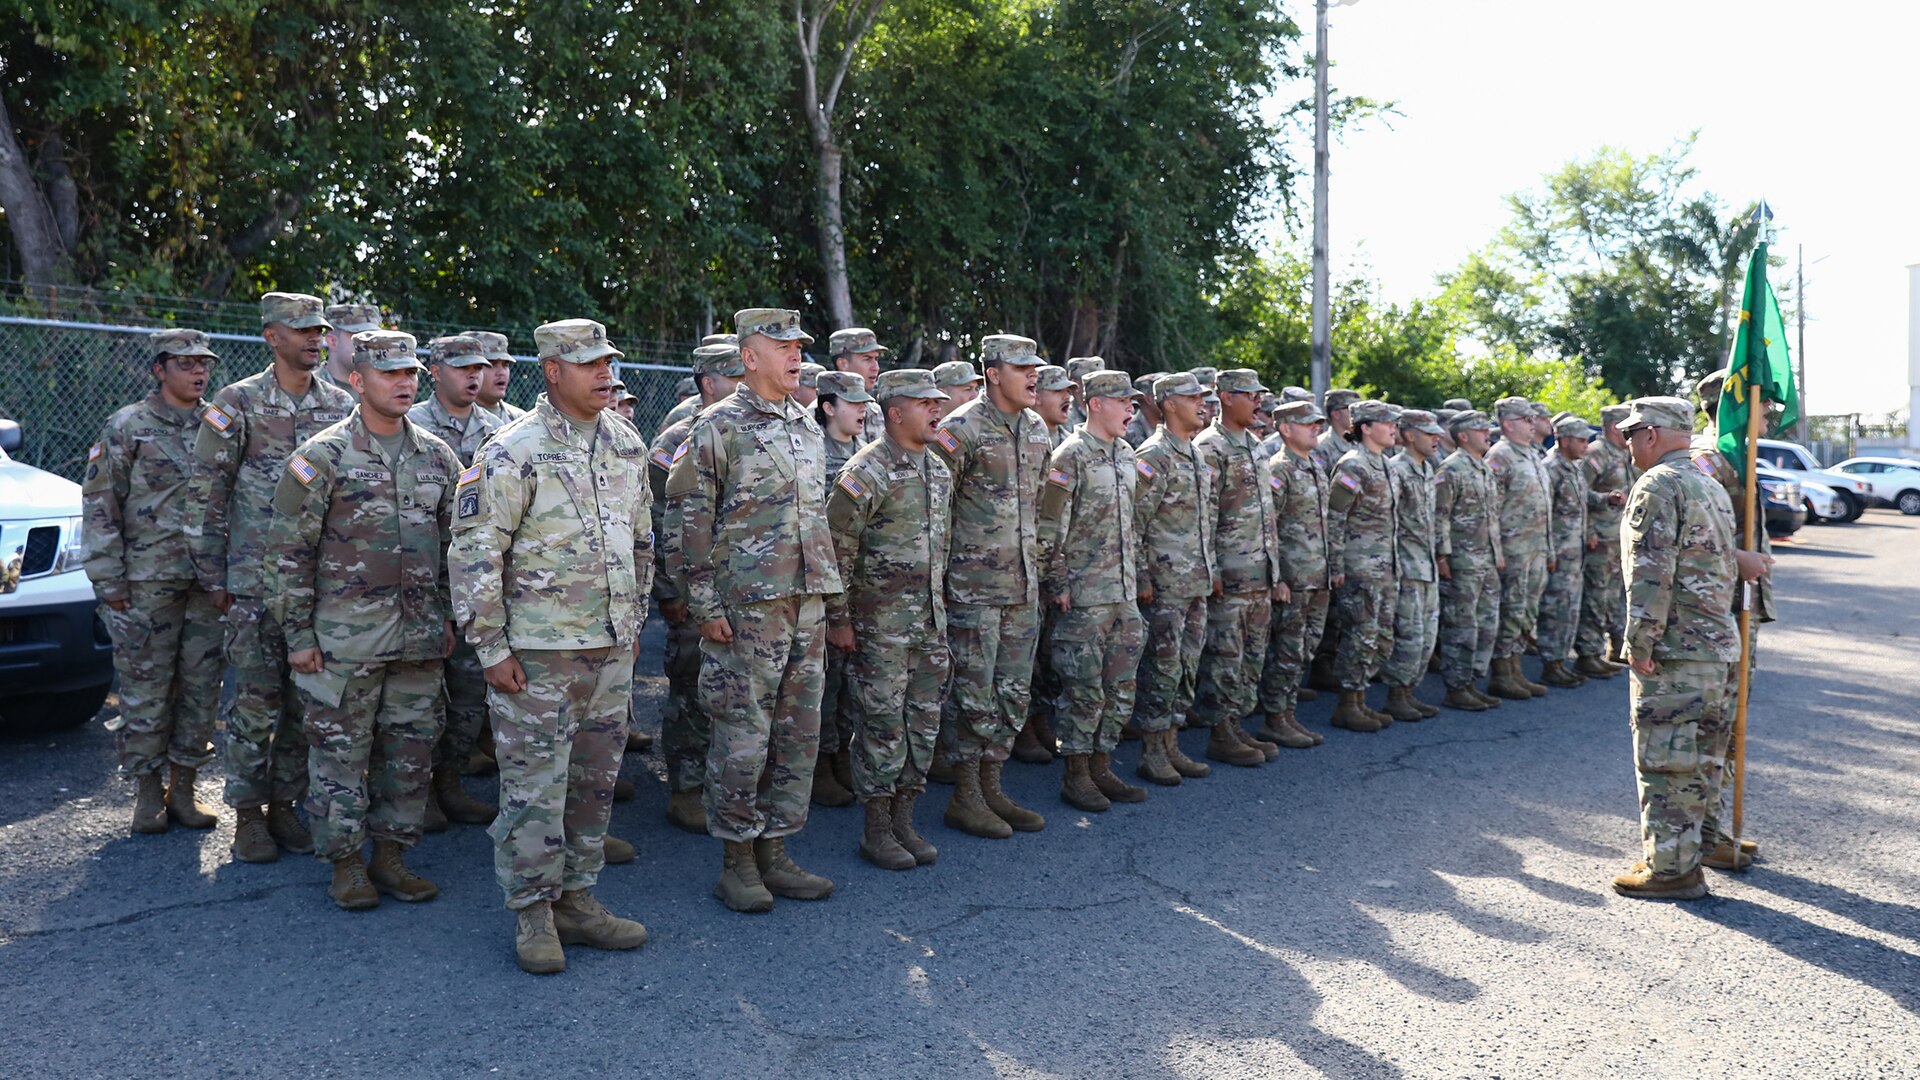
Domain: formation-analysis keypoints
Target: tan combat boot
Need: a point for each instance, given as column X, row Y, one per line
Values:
column 350, row 888
column 826, row 787
column 1400, row 704
column 1486, row 699
column 617, row 851
column 149, row 803
column 579, row 919
column 536, row 944
column 877, row 842
column 180, row 802
column 1640, row 884
column 1100, row 768
column 1351, row 715
column 433, row 819
column 1595, row 667
column 924, row 853
column 1275, row 729
column 1154, row 765
column 1520, row 676
column 623, row 790
column 1306, row 693
column 1187, row 767
column 1555, row 673
column 1021, row 818
column 251, row 840
column 1076, row 787
column 740, row 887
column 686, row 811
column 1268, row 750
column 1027, row 748
column 1222, row 746
column 1292, row 720
column 1506, row 683
column 1463, row 699
column 456, row 803
column 783, row 877
column 287, row 829
column 1726, row 856
column 638, row 742
column 391, row 875
column 967, row 810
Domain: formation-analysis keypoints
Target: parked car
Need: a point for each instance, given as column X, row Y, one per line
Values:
column 1823, row 504
column 56, row 661
column 1894, row 481
column 1785, row 513
column 1791, row 457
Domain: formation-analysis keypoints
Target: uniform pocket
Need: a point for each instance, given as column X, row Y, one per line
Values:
column 130, row 629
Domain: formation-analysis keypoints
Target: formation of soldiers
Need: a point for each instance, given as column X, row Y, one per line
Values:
column 871, row 579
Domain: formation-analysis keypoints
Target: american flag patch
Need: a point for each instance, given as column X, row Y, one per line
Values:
column 1146, row 470
column 1348, row 482
column 473, row 472
column 217, row 418
column 681, row 450
column 94, row 451
column 1704, row 463
column 662, row 458
column 945, row 438
column 303, row 469
column 1060, row 477
column 1209, row 469
column 1277, row 483
column 851, row 484
column 1439, row 478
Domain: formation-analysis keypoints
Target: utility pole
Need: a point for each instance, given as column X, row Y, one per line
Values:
column 1800, row 347
column 1322, row 371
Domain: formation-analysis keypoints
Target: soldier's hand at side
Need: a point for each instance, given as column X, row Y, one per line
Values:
column 507, row 676
column 1444, row 567
column 1500, row 563
column 222, row 600
column 1282, row 593
column 1593, row 543
column 674, row 611
column 1145, row 594
column 1339, row 580
column 305, row 661
column 448, row 650
column 1553, row 566
column 1616, row 498
column 1644, row 667
column 1063, row 602
column 841, row 637
column 719, row 631
column 1218, row 588
column 1754, row 566
column 118, row 605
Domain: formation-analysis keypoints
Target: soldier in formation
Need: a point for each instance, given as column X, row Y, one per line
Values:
column 1569, row 487
column 1416, row 607
column 841, row 411
column 1469, row 562
column 1362, row 522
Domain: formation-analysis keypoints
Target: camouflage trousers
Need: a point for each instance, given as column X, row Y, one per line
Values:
column 684, row 728
column 1363, row 610
column 166, row 652
column 763, row 692
column 1469, row 621
column 1176, row 632
column 266, row 755
column 1044, row 699
column 836, row 723
column 1603, row 599
column 895, row 683
column 1297, row 627
column 1521, row 584
column 463, row 703
column 1228, row 686
column 559, row 744
column 1560, row 607
column 371, row 756
column 1416, row 629
column 1680, row 730
column 993, row 653
column 1096, row 650
column 1719, row 822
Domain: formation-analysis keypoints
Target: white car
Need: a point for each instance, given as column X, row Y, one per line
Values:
column 1791, row 457
column 1823, row 503
column 1895, row 481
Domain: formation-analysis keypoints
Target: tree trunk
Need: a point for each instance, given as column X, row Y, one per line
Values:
column 44, row 259
column 817, row 104
column 833, row 232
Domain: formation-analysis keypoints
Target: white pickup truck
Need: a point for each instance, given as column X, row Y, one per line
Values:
column 1790, row 457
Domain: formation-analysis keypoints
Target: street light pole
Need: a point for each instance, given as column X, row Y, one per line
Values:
column 1322, row 372
column 1800, row 348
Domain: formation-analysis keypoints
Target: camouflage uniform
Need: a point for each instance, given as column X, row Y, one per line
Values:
column 1520, row 493
column 748, row 495
column 1416, row 612
column 1299, row 486
column 684, row 728
column 1175, row 521
column 1677, row 556
column 836, row 727
column 1362, row 509
column 167, row 642
column 1466, row 511
column 247, row 433
column 551, row 560
column 1247, row 553
column 1560, row 601
column 1602, row 593
column 356, row 565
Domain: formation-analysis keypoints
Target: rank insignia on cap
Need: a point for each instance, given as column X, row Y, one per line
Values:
column 1060, row 477
column 1146, row 470
column 303, row 469
column 473, row 472
column 945, row 438
column 217, row 419
column 662, row 458
column 851, row 484
column 1348, row 482
column 94, row 451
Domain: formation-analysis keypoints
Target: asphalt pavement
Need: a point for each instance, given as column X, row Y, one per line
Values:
column 1427, row 901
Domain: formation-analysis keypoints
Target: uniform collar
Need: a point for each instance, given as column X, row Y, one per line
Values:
column 364, row 440
column 785, row 408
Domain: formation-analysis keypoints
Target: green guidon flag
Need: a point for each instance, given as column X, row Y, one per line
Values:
column 1760, row 359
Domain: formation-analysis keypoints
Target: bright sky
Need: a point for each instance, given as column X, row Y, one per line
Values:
column 1808, row 105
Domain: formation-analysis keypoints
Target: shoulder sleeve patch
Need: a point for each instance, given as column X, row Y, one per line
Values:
column 681, row 450
column 945, row 439
column 1348, row 481
column 1704, row 463
column 217, row 418
column 1440, row 477
column 94, row 452
column 662, row 458
column 1145, row 469
column 1059, row 477
column 302, row 469
column 1276, row 482
column 473, row 472
column 851, row 484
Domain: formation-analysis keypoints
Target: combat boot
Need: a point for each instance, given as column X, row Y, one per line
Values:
column 1520, row 676
column 1555, row 673
column 1187, row 767
column 1640, row 884
column 1306, row 693
column 1426, row 708
column 251, row 840
column 826, row 787
column 843, row 767
column 1076, row 787
column 1400, row 704
column 1374, row 714
column 1595, row 667
column 350, row 888
column 149, row 803
column 287, row 829
column 180, row 802
column 1222, row 746
column 924, row 853
column 536, row 944
column 391, row 875
column 638, row 742
column 455, row 803
column 1726, row 856
column 877, row 842
column 1292, row 720
column 1463, row 699
column 740, row 887
column 1043, row 730
column 1268, row 750
column 1004, row 808
column 1617, row 650
column 433, row 819
column 1276, row 730
column 617, row 851
column 1486, row 699
column 783, row 877
column 579, row 919
column 1027, row 748
column 1154, row 765
column 623, row 790
column 1505, row 683
column 1100, row 768
column 1351, row 715
column 967, row 811
column 686, row 811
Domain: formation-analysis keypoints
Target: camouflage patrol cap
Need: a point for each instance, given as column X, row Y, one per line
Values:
column 1672, row 413
column 1054, row 378
column 354, row 318
column 1108, row 384
column 1541, row 412
column 1708, row 388
column 809, row 374
column 720, row 359
column 776, row 323
column 493, row 346
column 179, row 343
column 1572, row 427
column 1459, row 404
column 621, row 393
column 1207, row 375
column 955, row 373
column 908, row 382
column 459, row 350
column 1369, row 411
column 1295, row 393
column 685, row 388
column 1471, row 420
column 1446, row 415
column 1238, row 381
column 1613, row 414
column 845, row 385
column 1144, row 383
column 1298, row 412
column 296, row 310
column 1341, row 399
column 720, row 339
column 1079, row 367
column 1513, row 408
column 1180, row 384
column 854, row 339
column 577, row 341
column 1010, row 349
column 1421, row 420
column 387, row 350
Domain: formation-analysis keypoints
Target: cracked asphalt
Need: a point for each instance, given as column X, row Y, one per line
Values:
column 1427, row 901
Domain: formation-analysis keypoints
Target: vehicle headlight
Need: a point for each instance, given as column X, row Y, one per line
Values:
column 72, row 554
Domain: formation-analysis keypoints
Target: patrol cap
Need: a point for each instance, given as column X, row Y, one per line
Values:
column 1471, row 420
column 1054, row 378
column 1238, row 381
column 1108, row 384
column 577, row 341
column 493, row 346
column 908, row 382
column 685, row 388
column 1369, row 411
column 854, row 339
column 1574, row 427
column 776, row 323
column 719, row 359
column 1512, row 408
column 1180, row 383
column 458, row 350
column 1298, row 412
column 1613, row 414
column 1295, row 393
column 1672, row 413
column 720, row 339
column 1421, row 420
column 1206, row 374
column 1079, row 367
column 179, row 343
column 296, row 310
column 1445, row 415
column 1144, row 383
column 1708, row 388
column 1341, row 399
column 809, row 373
column 1011, row 349
column 1459, row 404
column 845, row 385
column 354, row 318
column 956, row 373
column 621, row 393
column 387, row 350
column 1539, row 411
